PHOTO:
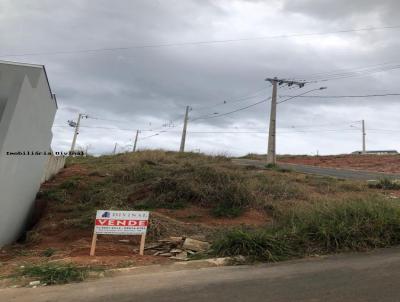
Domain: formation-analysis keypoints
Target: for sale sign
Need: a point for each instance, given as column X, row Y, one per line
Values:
column 121, row 222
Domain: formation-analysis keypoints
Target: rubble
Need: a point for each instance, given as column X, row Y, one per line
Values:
column 195, row 245
column 34, row 283
column 177, row 248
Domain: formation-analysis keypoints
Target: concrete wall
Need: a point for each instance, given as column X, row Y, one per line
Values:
column 27, row 110
column 53, row 166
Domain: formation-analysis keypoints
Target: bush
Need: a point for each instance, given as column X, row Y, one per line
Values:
column 52, row 273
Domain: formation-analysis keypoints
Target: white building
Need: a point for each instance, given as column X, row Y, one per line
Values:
column 27, row 110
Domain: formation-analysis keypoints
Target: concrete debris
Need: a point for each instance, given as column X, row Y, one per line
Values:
column 195, row 245
column 166, row 254
column 176, row 239
column 34, row 283
column 181, row 256
column 151, row 246
column 177, row 248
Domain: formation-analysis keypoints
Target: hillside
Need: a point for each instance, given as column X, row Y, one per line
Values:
column 198, row 196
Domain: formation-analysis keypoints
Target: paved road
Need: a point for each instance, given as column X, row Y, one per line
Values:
column 356, row 277
column 339, row 173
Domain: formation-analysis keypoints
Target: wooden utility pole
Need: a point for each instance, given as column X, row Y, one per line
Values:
column 183, row 139
column 136, row 139
column 271, row 156
column 115, row 148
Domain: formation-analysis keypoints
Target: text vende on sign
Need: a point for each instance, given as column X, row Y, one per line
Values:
column 120, row 223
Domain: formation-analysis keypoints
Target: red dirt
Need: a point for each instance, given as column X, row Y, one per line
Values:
column 372, row 163
column 73, row 244
column 194, row 214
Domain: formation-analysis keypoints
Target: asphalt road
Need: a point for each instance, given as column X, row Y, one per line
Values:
column 332, row 172
column 355, row 277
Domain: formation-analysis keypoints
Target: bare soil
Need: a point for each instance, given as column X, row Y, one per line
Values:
column 372, row 163
column 73, row 244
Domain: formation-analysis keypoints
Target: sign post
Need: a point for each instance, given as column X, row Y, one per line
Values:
column 120, row 223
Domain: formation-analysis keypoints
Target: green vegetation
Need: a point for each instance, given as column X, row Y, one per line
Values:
column 56, row 273
column 306, row 214
column 265, row 245
column 322, row 227
column 48, row 252
column 385, row 184
column 277, row 168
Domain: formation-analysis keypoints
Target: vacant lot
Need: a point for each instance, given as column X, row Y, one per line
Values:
column 373, row 163
column 270, row 214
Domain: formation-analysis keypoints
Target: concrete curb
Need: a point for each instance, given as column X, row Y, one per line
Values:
column 176, row 266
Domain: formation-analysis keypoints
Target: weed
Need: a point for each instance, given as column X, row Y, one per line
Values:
column 32, row 237
column 48, row 252
column 69, row 184
column 53, row 194
column 56, row 273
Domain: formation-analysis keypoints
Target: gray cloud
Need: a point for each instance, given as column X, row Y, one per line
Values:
column 145, row 88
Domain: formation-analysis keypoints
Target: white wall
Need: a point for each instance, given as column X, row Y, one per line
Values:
column 25, row 125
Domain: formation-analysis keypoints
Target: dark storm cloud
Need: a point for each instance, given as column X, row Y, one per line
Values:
column 144, row 88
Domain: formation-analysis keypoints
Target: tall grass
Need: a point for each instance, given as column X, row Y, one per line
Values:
column 325, row 227
column 354, row 224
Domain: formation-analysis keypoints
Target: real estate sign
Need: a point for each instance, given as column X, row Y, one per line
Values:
column 121, row 222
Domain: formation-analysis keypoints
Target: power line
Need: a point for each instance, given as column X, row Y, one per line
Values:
column 230, row 112
column 299, row 95
column 344, row 96
column 241, row 99
column 344, row 70
column 206, row 42
column 353, row 74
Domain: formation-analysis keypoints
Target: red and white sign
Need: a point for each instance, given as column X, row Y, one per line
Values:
column 121, row 222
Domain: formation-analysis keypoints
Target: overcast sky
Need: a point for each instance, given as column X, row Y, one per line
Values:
column 146, row 88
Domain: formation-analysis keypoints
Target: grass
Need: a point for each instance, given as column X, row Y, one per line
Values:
column 385, row 184
column 56, row 273
column 319, row 228
column 48, row 252
column 159, row 179
column 310, row 214
column 265, row 245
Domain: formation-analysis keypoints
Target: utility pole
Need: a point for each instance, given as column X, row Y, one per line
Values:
column 183, row 140
column 271, row 156
column 76, row 126
column 363, row 137
column 135, row 143
column 115, row 148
